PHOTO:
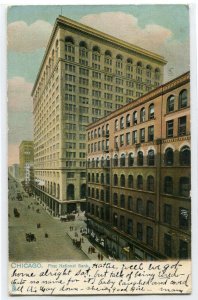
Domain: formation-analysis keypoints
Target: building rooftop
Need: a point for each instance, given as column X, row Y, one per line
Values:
column 71, row 24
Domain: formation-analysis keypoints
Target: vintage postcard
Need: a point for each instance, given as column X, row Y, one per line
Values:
column 99, row 162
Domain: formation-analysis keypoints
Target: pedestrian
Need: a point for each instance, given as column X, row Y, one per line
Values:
column 82, row 240
column 89, row 249
column 98, row 256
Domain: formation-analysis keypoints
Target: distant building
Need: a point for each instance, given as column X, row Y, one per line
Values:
column 15, row 170
column 26, row 160
column 85, row 75
column 138, row 197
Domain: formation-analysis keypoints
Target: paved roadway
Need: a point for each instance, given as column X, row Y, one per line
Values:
column 57, row 247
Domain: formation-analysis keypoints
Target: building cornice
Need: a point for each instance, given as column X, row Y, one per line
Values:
column 66, row 22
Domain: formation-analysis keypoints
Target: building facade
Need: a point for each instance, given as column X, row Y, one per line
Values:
column 138, row 197
column 26, row 160
column 85, row 75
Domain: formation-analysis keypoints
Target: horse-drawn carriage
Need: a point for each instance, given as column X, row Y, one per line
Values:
column 16, row 213
column 67, row 218
column 30, row 237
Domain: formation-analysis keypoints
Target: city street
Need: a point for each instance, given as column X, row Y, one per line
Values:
column 58, row 246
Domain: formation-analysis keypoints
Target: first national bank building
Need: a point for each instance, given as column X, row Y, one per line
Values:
column 85, row 75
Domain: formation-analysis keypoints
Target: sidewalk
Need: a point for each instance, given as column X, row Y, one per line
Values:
column 76, row 234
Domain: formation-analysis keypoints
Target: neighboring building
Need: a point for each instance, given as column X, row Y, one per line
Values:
column 26, row 160
column 139, row 203
column 15, row 172
column 85, row 74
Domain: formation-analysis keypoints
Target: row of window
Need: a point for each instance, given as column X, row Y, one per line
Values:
column 141, row 232
column 122, row 182
column 184, row 159
column 123, row 161
column 182, row 101
column 96, row 55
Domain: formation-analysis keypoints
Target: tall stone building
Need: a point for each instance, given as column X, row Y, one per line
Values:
column 26, row 160
column 139, row 203
column 85, row 74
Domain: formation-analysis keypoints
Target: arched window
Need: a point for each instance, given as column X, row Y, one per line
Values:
column 119, row 61
column 184, row 156
column 170, row 103
column 83, row 49
column 184, row 186
column 83, row 191
column 89, row 177
column 140, row 182
column 148, row 71
column 150, row 209
column 168, row 185
column 102, row 178
column 116, row 125
column 151, row 112
column 107, row 130
column 140, row 158
column 115, row 220
column 69, row 44
column 108, row 57
column 122, row 180
column 95, row 133
column 122, row 223
column 151, row 158
column 121, row 122
column 183, row 100
column 93, row 163
column 130, row 203
column 130, row 159
column 115, row 199
column 122, row 160
column 58, row 191
column 139, row 68
column 102, row 161
column 130, row 181
column 115, row 179
column 115, row 160
column 128, row 120
column 108, row 161
column 93, row 177
column 92, row 193
column 139, row 206
column 89, row 191
column 99, row 132
column 134, row 117
column 70, row 192
column 150, row 183
column 169, row 157
column 157, row 74
column 122, row 201
column 97, row 162
column 142, row 114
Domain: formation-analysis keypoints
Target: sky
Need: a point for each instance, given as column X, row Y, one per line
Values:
column 163, row 29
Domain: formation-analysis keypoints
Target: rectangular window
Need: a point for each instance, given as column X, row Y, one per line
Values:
column 134, row 137
column 121, row 140
column 169, row 128
column 183, row 249
column 96, row 102
column 142, row 135
column 151, row 133
column 167, row 245
column 167, row 213
column 149, row 236
column 182, row 126
column 130, row 226
column 128, row 138
column 70, row 175
column 139, row 231
column 183, row 218
column 83, row 100
column 82, row 174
